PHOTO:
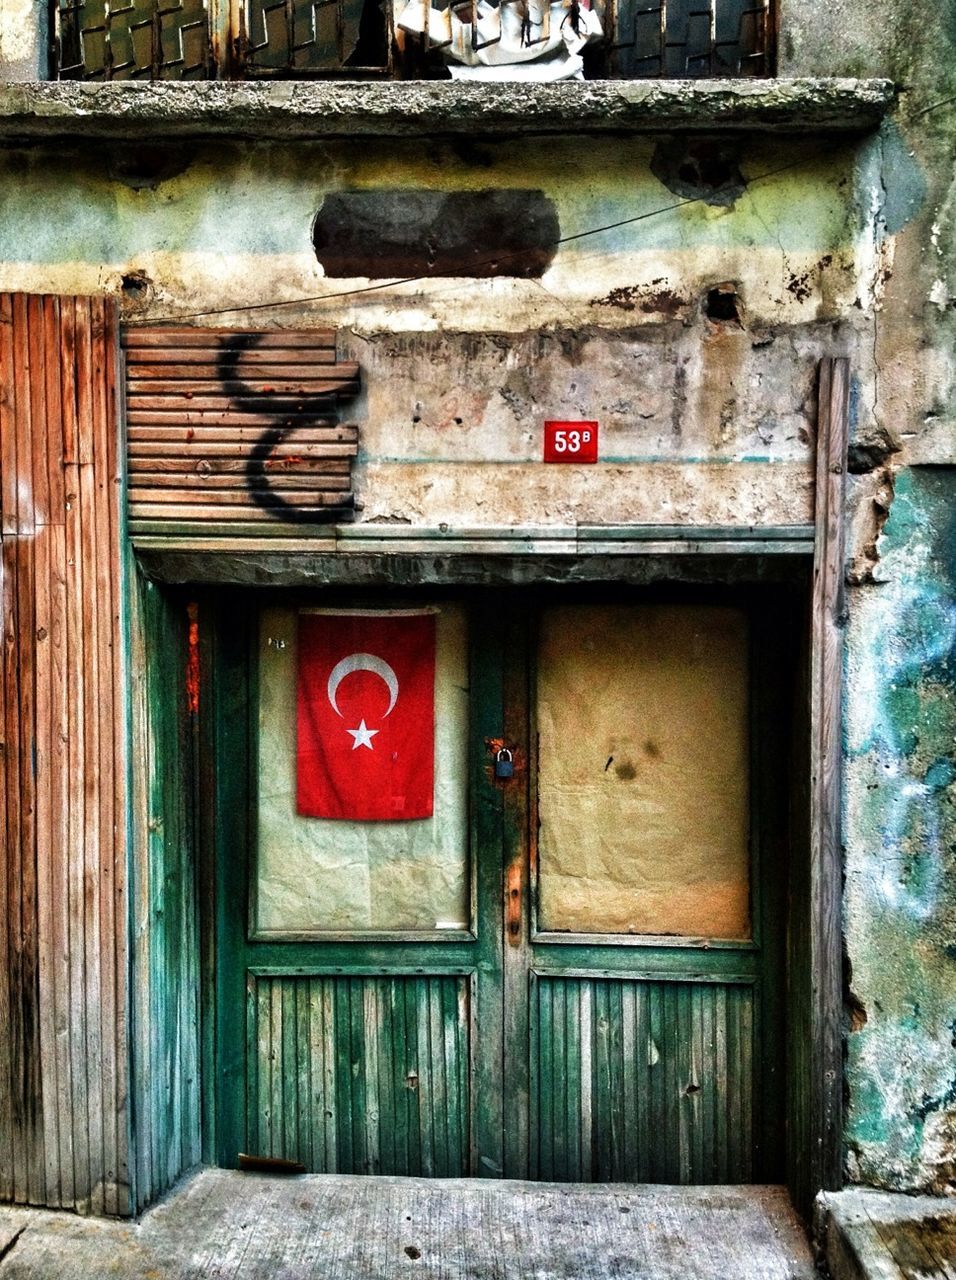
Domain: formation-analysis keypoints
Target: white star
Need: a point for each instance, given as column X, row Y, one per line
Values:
column 363, row 736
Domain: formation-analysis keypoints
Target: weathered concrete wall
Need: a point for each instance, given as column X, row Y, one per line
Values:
column 901, row 841
column 843, row 248
column 900, row 709
column 24, row 35
column 714, row 396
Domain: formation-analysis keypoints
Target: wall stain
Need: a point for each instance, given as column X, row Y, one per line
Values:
column 901, row 836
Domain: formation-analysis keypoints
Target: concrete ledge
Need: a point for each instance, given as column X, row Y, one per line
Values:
column 302, row 110
column 875, row 1235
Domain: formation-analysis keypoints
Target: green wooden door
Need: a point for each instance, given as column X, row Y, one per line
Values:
column 571, row 975
column 645, row 879
column 359, row 966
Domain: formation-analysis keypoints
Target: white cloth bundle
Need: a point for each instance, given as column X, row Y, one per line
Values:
column 516, row 40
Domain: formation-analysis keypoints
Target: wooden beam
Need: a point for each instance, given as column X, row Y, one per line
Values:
column 158, row 337
column 825, row 1083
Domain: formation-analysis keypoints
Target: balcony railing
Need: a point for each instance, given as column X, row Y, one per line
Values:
column 506, row 39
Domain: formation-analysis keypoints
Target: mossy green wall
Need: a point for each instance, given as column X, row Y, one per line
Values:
column 901, row 846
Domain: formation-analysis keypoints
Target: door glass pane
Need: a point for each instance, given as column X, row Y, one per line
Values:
column 643, row 771
column 320, row 875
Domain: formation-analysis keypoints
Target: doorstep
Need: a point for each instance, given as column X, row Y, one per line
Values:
column 252, row 1226
column 879, row 1235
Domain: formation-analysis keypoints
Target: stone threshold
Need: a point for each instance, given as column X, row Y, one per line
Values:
column 249, row 1226
column 300, row 110
column 867, row 1234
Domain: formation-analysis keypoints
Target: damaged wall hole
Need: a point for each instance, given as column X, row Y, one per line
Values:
column 135, row 285
column 722, row 305
column 857, row 1012
column 706, row 169
column 145, row 166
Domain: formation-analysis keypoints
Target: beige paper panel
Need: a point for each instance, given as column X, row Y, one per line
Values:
column 318, row 875
column 643, row 771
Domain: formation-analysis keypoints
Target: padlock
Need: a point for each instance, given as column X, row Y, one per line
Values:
column 504, row 764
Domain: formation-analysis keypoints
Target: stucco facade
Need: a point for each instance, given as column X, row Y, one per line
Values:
column 687, row 314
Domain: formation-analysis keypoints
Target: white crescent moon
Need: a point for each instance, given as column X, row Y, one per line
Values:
column 363, row 662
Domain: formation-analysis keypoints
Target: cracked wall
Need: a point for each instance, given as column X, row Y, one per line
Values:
column 691, row 330
column 828, row 247
column 900, row 832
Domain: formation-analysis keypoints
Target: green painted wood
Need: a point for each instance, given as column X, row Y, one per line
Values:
column 549, row 1073
column 393, row 1095
column 643, row 1081
column 517, row 822
column 228, row 710
column 777, row 635
column 348, row 1041
column 166, row 1022
column 596, row 1112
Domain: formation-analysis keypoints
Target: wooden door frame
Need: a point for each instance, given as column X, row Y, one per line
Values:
column 817, row 1159
column 814, row 997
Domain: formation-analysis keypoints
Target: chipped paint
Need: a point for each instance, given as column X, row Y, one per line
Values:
column 461, row 373
column 831, row 246
column 901, row 834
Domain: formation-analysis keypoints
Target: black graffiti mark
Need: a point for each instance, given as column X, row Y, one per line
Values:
column 938, row 1103
column 276, row 505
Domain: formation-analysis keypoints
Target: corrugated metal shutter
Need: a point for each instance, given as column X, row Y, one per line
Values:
column 236, row 434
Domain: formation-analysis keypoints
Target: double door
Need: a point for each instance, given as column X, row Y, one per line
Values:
column 570, row 970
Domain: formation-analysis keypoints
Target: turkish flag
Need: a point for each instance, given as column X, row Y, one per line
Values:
column 366, row 716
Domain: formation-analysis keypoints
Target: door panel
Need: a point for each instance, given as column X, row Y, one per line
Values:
column 360, row 1073
column 652, row 938
column 641, row 1080
column 357, row 1032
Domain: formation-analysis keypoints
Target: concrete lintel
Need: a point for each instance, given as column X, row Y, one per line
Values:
column 296, row 110
column 462, row 568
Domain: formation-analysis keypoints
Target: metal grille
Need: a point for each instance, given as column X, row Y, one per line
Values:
column 675, row 39
column 170, row 39
column 319, row 36
column 140, row 40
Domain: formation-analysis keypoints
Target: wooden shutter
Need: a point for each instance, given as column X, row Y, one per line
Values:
column 232, row 435
column 63, row 1036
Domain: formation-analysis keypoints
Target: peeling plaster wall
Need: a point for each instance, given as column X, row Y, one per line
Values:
column 844, row 248
column 900, row 834
column 901, row 846
column 23, row 39
column 461, row 373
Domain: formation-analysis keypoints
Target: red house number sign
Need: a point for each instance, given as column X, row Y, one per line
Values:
column 570, row 442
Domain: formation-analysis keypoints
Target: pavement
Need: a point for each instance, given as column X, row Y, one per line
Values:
column 221, row 1223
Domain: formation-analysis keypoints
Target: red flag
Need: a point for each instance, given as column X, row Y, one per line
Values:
column 366, row 716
